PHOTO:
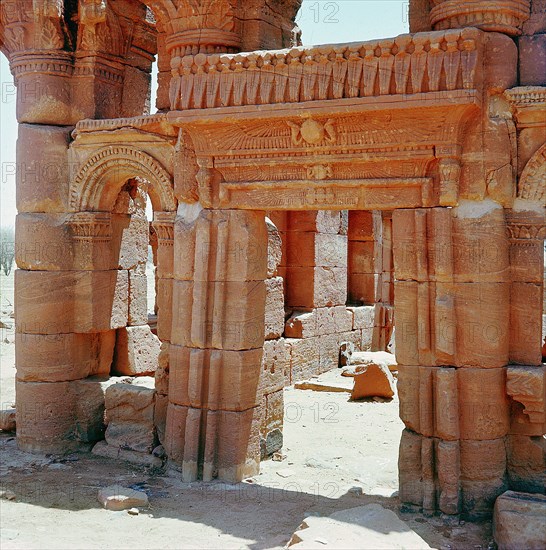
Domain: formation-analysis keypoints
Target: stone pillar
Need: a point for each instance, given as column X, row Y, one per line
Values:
column 316, row 273
column 370, row 270
column 527, row 232
column 69, row 298
column 217, row 338
column 164, row 227
column 452, row 299
column 364, row 262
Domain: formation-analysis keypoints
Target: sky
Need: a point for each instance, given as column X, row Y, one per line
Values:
column 321, row 22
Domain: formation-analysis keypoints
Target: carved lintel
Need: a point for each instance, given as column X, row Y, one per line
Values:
column 450, row 171
column 164, row 227
column 526, row 385
column 91, row 226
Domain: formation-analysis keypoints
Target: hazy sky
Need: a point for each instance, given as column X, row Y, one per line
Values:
column 321, row 22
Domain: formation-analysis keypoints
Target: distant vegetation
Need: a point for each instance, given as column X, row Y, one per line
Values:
column 7, row 249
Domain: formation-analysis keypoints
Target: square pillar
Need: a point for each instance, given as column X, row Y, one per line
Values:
column 217, row 338
column 452, row 301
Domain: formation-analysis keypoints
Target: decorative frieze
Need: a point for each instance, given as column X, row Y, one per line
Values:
column 405, row 65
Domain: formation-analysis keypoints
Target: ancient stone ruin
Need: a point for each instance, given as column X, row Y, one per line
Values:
column 303, row 197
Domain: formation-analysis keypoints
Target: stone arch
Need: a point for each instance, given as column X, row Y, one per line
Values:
column 531, row 182
column 101, row 178
column 164, row 11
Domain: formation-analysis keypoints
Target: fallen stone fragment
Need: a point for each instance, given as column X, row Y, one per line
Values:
column 519, row 521
column 364, row 528
column 373, row 381
column 382, row 358
column 6, row 494
column 116, row 497
column 7, row 420
column 133, row 511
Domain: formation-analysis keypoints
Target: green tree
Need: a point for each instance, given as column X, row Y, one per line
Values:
column 7, row 249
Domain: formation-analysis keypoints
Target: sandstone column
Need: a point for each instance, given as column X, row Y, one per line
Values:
column 452, row 296
column 213, row 416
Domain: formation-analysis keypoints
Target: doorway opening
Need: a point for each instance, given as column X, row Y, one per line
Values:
column 328, row 274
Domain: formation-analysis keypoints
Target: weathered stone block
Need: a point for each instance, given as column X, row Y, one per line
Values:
column 138, row 298
column 373, row 380
column 526, row 461
column 301, row 325
column 230, row 320
column 518, row 521
column 231, row 378
column 333, row 320
column 43, row 171
column 164, row 299
column 48, row 302
column 361, row 256
column 427, row 333
column 526, row 323
column 63, row 357
column 274, row 248
column 363, row 317
column 275, row 371
column 312, row 287
column 45, row 417
column 363, row 287
column 305, row 358
column 532, row 60
column 317, row 249
column 130, row 239
column 321, row 221
column 136, row 352
column 130, row 416
column 227, row 245
column 274, row 308
column 526, row 388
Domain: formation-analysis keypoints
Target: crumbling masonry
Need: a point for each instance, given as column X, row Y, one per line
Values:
column 302, row 197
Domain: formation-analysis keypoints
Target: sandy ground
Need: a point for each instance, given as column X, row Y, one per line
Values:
column 332, row 446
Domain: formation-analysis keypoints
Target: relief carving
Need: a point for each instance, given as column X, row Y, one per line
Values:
column 313, row 132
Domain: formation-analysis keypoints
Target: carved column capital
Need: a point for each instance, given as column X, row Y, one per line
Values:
column 164, row 227
column 525, row 225
column 91, row 226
